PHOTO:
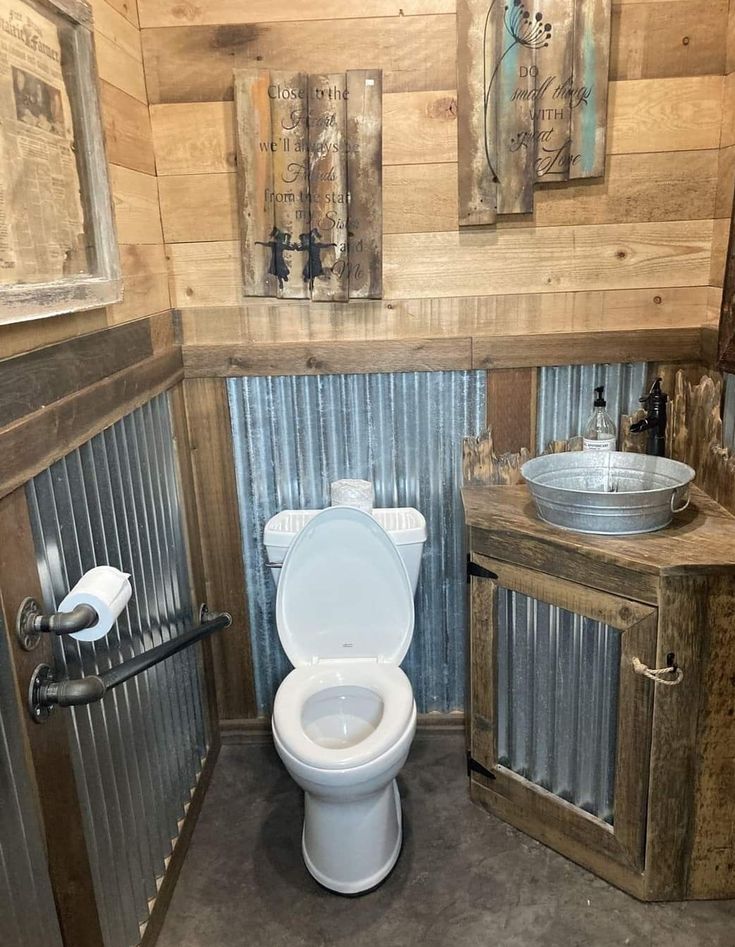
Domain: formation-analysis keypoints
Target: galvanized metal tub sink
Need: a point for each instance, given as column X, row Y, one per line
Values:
column 608, row 492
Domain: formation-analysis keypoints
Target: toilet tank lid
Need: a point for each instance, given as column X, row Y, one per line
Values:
column 404, row 525
column 344, row 592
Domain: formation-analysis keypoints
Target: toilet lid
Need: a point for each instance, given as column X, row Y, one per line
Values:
column 344, row 592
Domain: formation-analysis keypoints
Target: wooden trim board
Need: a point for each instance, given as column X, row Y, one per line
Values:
column 37, row 440
column 488, row 352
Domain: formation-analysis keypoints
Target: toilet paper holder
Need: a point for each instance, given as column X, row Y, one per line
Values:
column 46, row 690
column 31, row 623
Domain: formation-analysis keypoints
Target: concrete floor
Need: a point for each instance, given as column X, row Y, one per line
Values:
column 463, row 879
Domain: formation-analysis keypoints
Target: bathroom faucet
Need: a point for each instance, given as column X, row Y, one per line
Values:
column 654, row 421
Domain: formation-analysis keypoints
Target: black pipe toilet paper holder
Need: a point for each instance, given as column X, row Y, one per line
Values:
column 31, row 623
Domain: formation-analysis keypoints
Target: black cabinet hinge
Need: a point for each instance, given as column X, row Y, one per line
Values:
column 479, row 572
column 474, row 767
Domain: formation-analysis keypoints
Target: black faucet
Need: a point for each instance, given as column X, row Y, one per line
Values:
column 654, row 421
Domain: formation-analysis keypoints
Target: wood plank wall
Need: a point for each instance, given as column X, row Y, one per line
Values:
column 129, row 142
column 725, row 176
column 634, row 250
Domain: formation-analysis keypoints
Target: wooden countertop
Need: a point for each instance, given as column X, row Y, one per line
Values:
column 699, row 540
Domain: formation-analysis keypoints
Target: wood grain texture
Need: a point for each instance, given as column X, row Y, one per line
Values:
column 330, row 276
column 478, row 316
column 195, row 63
column 365, row 182
column 135, row 196
column 617, row 256
column 682, row 38
column 422, row 198
column 30, row 382
column 507, row 262
column 53, row 769
column 145, row 280
column 713, row 848
column 257, row 217
column 483, row 606
column 309, row 358
column 127, row 130
column 678, row 114
column 511, row 408
column 698, row 542
column 172, row 13
column 587, row 348
column 39, row 439
column 210, row 444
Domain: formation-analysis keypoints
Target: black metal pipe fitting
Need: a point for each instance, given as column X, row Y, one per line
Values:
column 45, row 692
column 65, row 623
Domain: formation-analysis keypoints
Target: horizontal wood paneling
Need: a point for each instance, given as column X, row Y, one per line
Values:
column 145, row 273
column 119, row 68
column 127, row 130
column 654, row 40
column 175, row 13
column 135, row 196
column 310, row 358
column 680, row 114
column 423, row 198
column 195, row 63
column 31, row 445
column 526, row 314
column 409, row 355
column 636, row 345
column 29, row 382
column 540, row 260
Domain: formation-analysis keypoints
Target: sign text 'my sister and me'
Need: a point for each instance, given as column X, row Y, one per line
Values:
column 549, row 101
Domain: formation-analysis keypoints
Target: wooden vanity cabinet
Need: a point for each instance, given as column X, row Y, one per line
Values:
column 631, row 778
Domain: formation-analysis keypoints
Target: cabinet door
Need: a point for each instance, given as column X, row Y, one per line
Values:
column 560, row 722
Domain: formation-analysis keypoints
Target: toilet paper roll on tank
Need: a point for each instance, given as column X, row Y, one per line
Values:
column 355, row 493
column 108, row 591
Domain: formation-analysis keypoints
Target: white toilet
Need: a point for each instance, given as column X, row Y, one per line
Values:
column 344, row 718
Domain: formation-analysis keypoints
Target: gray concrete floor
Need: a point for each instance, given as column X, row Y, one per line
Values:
column 463, row 878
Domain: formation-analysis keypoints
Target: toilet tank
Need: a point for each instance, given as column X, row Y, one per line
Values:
column 405, row 526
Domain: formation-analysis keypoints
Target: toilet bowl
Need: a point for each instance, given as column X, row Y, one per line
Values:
column 344, row 718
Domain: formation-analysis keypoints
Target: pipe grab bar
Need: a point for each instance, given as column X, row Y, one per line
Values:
column 46, row 692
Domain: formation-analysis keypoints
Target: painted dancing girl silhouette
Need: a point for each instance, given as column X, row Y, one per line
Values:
column 280, row 242
column 313, row 267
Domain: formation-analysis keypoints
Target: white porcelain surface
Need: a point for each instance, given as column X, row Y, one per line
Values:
column 344, row 718
column 404, row 524
column 344, row 592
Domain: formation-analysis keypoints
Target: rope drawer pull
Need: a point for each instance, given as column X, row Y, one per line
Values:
column 670, row 676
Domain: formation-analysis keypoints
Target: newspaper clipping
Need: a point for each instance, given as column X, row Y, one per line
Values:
column 41, row 214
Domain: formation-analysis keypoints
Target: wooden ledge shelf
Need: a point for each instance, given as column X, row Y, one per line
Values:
column 326, row 356
column 552, row 604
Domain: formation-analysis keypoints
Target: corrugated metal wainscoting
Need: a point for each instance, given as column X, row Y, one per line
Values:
column 27, row 911
column 557, row 700
column 728, row 411
column 138, row 753
column 403, row 431
column 566, row 392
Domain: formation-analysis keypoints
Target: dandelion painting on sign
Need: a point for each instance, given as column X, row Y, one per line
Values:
column 532, row 100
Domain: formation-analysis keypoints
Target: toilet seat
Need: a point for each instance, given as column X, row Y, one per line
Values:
column 386, row 680
column 344, row 592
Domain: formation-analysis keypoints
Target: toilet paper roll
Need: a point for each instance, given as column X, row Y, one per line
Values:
column 355, row 493
column 108, row 591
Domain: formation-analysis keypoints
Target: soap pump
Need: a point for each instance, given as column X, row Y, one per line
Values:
column 599, row 431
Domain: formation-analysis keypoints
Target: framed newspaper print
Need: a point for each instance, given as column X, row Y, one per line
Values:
column 58, row 250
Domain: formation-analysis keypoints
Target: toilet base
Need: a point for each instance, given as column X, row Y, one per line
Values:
column 350, row 847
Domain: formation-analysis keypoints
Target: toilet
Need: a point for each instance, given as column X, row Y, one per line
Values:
column 345, row 717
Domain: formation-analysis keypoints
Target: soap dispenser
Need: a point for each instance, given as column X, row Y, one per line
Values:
column 599, row 431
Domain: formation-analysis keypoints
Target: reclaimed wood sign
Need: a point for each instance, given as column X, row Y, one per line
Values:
column 532, row 100
column 309, row 155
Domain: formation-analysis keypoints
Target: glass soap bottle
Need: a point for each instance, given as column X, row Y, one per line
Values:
column 599, row 432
